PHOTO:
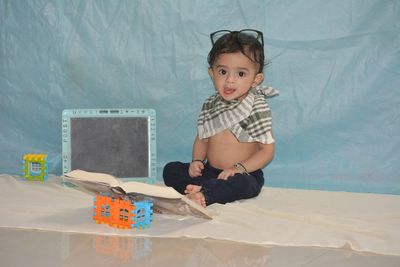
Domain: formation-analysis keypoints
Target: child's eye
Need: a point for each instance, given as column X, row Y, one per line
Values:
column 241, row 73
column 222, row 71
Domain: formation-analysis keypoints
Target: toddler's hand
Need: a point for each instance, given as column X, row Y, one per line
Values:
column 225, row 174
column 195, row 168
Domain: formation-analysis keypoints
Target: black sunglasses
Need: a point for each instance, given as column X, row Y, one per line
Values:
column 254, row 33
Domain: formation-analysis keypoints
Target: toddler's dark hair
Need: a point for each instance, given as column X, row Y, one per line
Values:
column 238, row 42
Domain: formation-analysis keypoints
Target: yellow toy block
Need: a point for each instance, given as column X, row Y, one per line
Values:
column 34, row 167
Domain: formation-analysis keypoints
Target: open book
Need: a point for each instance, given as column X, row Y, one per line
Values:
column 165, row 199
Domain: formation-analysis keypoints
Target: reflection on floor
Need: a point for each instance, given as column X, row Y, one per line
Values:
column 38, row 248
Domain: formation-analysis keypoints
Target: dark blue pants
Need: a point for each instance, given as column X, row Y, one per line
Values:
column 239, row 186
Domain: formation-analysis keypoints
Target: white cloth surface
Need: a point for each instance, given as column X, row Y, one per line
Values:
column 286, row 217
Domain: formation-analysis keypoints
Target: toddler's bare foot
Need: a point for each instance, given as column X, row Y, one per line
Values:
column 198, row 197
column 191, row 188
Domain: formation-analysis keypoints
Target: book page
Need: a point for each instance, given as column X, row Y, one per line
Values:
column 150, row 190
column 128, row 187
column 182, row 206
column 93, row 177
column 93, row 187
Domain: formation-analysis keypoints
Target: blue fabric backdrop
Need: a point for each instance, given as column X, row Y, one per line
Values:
column 335, row 63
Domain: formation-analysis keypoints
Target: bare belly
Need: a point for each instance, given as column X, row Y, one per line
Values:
column 224, row 150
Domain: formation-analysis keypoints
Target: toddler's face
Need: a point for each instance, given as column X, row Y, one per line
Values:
column 234, row 74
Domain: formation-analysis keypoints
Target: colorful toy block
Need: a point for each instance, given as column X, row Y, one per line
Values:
column 34, row 167
column 121, row 213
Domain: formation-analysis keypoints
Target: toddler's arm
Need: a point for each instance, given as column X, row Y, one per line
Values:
column 198, row 155
column 261, row 158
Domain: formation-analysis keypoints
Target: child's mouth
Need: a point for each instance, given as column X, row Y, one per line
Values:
column 229, row 91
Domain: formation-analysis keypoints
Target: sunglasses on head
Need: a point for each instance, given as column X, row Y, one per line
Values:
column 249, row 32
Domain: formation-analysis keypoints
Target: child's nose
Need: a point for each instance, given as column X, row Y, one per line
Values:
column 230, row 78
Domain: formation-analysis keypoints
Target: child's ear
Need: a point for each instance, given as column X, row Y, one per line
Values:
column 258, row 79
column 210, row 73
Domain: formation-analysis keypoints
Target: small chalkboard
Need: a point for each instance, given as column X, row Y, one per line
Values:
column 120, row 142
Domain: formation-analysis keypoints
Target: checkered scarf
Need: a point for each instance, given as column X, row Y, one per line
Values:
column 249, row 120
